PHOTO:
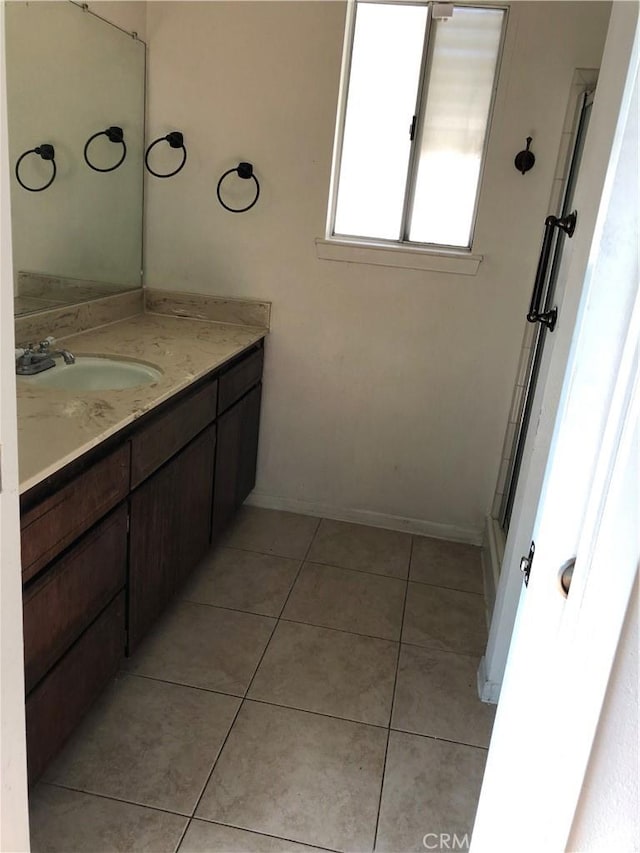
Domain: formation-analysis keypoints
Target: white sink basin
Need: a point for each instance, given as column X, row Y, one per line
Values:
column 93, row 373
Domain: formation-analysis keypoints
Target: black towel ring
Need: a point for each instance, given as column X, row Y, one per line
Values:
column 245, row 171
column 113, row 134
column 45, row 151
column 175, row 140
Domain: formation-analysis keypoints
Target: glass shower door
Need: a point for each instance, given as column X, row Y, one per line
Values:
column 542, row 330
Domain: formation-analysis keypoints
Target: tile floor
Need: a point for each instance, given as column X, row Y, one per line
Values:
column 313, row 688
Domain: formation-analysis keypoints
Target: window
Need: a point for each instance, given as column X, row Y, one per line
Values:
column 414, row 121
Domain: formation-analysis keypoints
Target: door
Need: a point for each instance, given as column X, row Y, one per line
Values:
column 236, row 458
column 14, row 819
column 563, row 647
column 170, row 523
column 551, row 294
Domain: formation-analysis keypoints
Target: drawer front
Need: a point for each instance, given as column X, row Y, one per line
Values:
column 156, row 443
column 52, row 525
column 239, row 379
column 59, row 702
column 68, row 597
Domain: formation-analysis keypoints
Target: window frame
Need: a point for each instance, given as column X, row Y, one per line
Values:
column 403, row 243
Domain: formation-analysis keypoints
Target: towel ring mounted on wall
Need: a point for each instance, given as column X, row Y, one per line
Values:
column 175, row 140
column 245, row 171
column 45, row 151
column 113, row 134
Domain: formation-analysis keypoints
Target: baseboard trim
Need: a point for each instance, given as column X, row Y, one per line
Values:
column 452, row 532
column 492, row 556
column 488, row 691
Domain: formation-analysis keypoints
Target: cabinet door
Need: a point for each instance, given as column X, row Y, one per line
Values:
column 249, row 430
column 169, row 531
column 236, row 458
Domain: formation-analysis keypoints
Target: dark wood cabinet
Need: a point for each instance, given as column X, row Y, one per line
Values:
column 152, row 445
column 236, row 458
column 57, row 521
column 59, row 606
column 107, row 541
column 169, row 531
column 61, row 700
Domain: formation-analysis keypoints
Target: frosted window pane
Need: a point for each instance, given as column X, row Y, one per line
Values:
column 385, row 68
column 465, row 54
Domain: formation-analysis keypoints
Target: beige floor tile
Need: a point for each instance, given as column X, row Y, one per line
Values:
column 243, row 580
column 63, row 821
column 366, row 549
column 271, row 532
column 430, row 787
column 347, row 600
column 437, row 695
column 148, row 742
column 300, row 776
column 318, row 669
column 204, row 837
column 204, row 646
column 445, row 619
column 450, row 564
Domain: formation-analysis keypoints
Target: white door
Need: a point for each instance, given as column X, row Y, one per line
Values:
column 563, row 647
column 14, row 827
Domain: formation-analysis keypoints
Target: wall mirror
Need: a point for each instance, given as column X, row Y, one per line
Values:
column 70, row 75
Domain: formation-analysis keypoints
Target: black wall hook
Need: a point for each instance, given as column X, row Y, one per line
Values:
column 244, row 171
column 525, row 159
column 113, row 134
column 47, row 152
column 175, row 140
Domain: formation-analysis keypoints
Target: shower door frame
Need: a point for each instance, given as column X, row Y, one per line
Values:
column 540, row 332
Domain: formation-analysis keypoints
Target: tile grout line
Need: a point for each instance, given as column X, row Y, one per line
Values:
column 441, row 739
column 383, row 726
column 266, row 834
column 112, row 798
column 243, row 699
column 449, row 588
column 335, row 565
column 321, row 563
column 289, row 708
column 393, row 697
column 474, row 655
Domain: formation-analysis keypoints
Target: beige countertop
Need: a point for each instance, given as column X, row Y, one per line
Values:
column 56, row 427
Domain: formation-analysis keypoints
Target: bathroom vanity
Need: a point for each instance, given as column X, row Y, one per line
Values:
column 124, row 493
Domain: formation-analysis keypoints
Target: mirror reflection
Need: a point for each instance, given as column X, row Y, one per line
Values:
column 72, row 76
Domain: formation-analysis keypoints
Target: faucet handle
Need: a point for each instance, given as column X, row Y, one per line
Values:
column 44, row 345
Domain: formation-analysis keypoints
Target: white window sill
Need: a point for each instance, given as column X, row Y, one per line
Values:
column 412, row 258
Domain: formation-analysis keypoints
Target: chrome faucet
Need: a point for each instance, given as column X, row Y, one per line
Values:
column 44, row 348
column 30, row 360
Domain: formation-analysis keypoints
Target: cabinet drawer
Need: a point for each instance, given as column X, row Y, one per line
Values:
column 59, row 702
column 53, row 524
column 68, row 597
column 239, row 379
column 154, row 444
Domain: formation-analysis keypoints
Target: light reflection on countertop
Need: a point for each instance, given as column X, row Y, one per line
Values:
column 57, row 426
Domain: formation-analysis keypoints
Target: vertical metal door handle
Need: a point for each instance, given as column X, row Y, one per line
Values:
column 548, row 318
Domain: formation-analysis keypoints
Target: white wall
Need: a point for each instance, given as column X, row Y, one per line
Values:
column 607, row 817
column 386, row 390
